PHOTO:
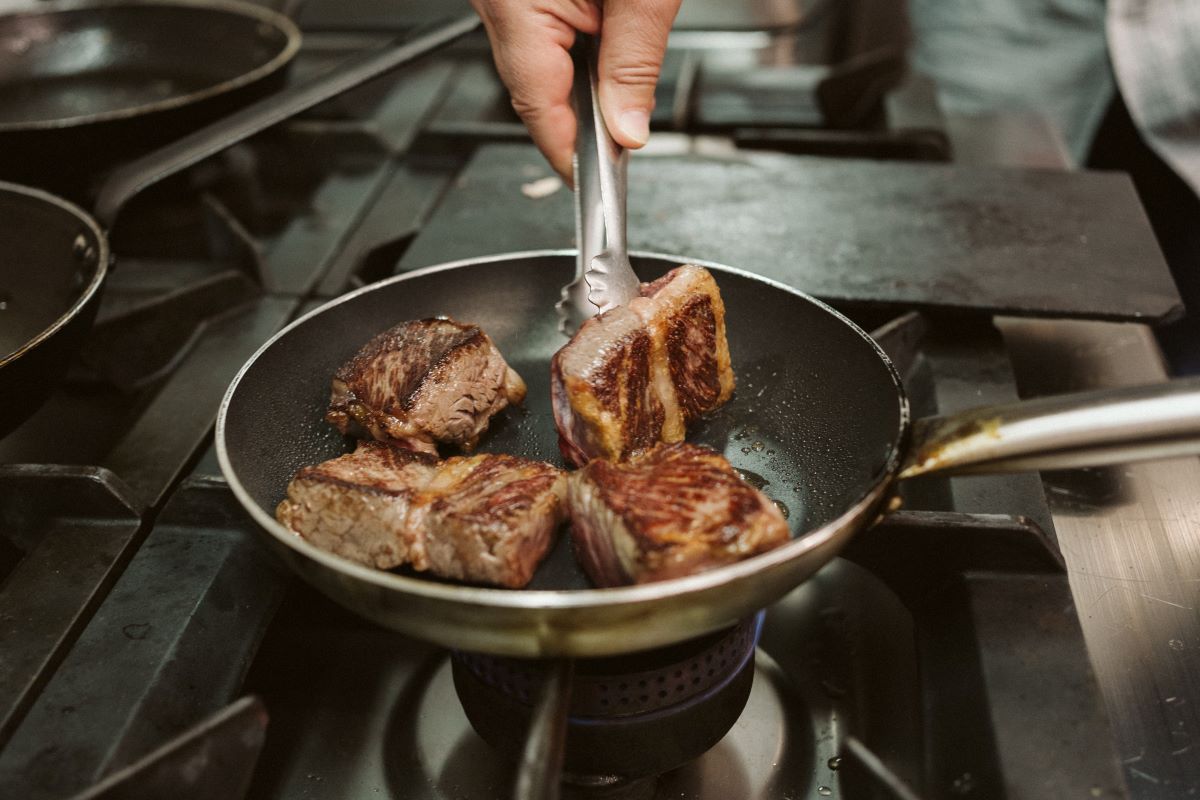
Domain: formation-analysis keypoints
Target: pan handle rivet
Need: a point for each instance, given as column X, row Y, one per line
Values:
column 82, row 250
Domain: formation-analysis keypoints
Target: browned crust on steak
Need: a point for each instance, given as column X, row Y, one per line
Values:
column 609, row 399
column 691, row 358
column 639, row 374
column 675, row 510
column 497, row 521
column 485, row 519
column 380, row 476
column 452, row 336
column 685, row 308
column 407, row 385
column 357, row 505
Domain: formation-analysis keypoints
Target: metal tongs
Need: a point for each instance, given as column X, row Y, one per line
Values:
column 604, row 278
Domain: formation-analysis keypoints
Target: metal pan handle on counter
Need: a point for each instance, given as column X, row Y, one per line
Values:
column 1090, row 429
column 126, row 181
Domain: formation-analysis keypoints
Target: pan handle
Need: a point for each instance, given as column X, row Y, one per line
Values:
column 126, row 181
column 1089, row 429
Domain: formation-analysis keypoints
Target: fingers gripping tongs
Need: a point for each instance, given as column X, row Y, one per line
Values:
column 603, row 276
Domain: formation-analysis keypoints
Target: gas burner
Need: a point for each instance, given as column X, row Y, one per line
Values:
column 771, row 752
column 631, row 716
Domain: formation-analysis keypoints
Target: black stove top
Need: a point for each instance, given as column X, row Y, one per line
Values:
column 941, row 656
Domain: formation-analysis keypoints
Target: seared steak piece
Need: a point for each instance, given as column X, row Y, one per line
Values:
column 673, row 511
column 684, row 312
column 602, row 390
column 425, row 381
column 639, row 374
column 492, row 518
column 485, row 518
column 358, row 505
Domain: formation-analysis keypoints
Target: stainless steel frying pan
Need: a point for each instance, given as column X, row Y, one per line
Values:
column 819, row 420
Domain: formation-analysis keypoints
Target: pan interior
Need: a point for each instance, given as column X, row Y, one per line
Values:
column 814, row 423
column 42, row 275
column 96, row 60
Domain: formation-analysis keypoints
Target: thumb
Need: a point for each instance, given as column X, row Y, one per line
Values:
column 633, row 39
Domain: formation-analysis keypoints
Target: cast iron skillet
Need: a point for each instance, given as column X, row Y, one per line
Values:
column 54, row 256
column 88, row 84
column 819, row 419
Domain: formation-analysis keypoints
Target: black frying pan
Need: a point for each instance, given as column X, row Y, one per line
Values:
column 88, row 84
column 819, row 420
column 54, row 256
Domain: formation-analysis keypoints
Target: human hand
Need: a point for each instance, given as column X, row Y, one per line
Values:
column 531, row 42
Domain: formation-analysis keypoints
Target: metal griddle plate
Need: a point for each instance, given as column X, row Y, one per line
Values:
column 1031, row 242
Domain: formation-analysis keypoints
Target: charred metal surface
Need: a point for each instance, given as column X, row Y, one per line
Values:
column 169, row 646
column 897, row 549
column 67, row 533
column 884, row 146
column 329, row 176
column 232, row 242
column 476, row 103
column 938, row 236
column 168, row 433
column 141, row 345
column 378, row 16
column 215, row 758
column 372, row 249
column 392, row 108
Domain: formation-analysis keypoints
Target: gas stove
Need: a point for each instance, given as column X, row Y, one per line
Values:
column 1020, row 636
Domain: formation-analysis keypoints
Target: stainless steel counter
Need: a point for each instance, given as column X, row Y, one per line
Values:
column 1131, row 540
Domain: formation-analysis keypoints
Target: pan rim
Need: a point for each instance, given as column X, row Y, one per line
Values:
column 550, row 600
column 261, row 14
column 98, row 274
